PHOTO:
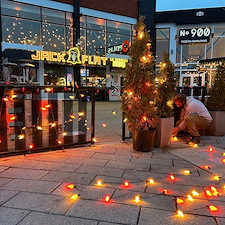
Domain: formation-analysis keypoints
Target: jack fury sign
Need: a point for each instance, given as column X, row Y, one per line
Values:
column 194, row 35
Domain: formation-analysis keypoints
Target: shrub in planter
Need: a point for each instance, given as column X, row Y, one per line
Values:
column 139, row 93
column 216, row 102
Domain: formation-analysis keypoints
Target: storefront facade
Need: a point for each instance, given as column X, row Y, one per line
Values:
column 191, row 37
column 53, row 29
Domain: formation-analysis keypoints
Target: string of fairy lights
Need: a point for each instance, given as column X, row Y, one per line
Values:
column 164, row 188
column 52, row 123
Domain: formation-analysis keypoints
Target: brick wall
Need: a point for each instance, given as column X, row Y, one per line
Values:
column 121, row 7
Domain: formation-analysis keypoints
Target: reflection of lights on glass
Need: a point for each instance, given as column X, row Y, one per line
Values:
column 21, row 136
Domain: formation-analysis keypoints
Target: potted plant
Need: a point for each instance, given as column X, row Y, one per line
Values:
column 165, row 94
column 216, row 102
column 139, row 93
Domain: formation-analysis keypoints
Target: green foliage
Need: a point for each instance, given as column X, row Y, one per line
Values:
column 166, row 88
column 139, row 94
column 216, row 101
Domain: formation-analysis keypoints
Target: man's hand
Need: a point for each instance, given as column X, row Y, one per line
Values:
column 175, row 131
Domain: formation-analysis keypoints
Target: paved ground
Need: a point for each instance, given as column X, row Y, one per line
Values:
column 34, row 187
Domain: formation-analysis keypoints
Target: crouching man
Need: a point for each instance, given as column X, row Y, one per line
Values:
column 194, row 116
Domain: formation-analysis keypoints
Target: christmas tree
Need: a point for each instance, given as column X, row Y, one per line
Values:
column 216, row 101
column 139, row 94
column 166, row 88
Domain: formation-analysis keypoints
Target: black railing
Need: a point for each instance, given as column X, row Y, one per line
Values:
column 37, row 118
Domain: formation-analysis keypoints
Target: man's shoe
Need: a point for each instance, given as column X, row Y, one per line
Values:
column 194, row 140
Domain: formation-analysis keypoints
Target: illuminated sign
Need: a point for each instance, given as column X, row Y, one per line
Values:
column 74, row 57
column 124, row 47
column 194, row 35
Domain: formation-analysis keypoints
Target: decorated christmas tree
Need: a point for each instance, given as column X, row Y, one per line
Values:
column 216, row 101
column 139, row 94
column 166, row 88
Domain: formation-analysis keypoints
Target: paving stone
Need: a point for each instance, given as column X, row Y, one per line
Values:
column 4, row 181
column 164, row 155
column 145, row 176
column 221, row 221
column 40, row 202
column 66, row 177
column 102, row 211
column 183, row 163
column 18, row 162
column 102, row 148
column 146, row 199
column 200, row 207
column 106, row 223
column 173, row 169
column 23, row 173
column 52, row 156
column 100, row 170
column 111, row 156
column 79, row 152
column 11, row 216
column 137, row 185
column 57, row 166
column 2, row 168
column 159, row 217
column 166, row 162
column 31, row 185
column 87, row 161
column 95, row 192
column 172, row 189
column 128, row 165
column 36, row 218
column 5, row 195
column 64, row 190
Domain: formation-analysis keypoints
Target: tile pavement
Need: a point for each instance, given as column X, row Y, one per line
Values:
column 34, row 187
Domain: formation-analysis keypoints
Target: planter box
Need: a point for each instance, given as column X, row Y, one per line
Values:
column 217, row 127
column 143, row 140
column 163, row 132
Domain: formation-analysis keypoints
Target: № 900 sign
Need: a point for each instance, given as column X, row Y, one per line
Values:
column 194, row 35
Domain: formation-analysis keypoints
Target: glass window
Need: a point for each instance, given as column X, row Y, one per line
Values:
column 162, row 43
column 69, row 37
column 21, row 31
column 118, row 27
column 218, row 47
column 219, row 30
column 20, row 10
column 54, row 37
column 69, row 19
column 83, row 21
column 83, row 41
column 95, row 23
column 95, row 42
column 53, row 16
column 54, row 75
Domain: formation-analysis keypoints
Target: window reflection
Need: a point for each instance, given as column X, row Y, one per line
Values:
column 21, row 31
column 20, row 10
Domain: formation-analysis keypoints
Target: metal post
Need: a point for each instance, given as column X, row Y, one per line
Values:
column 92, row 114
